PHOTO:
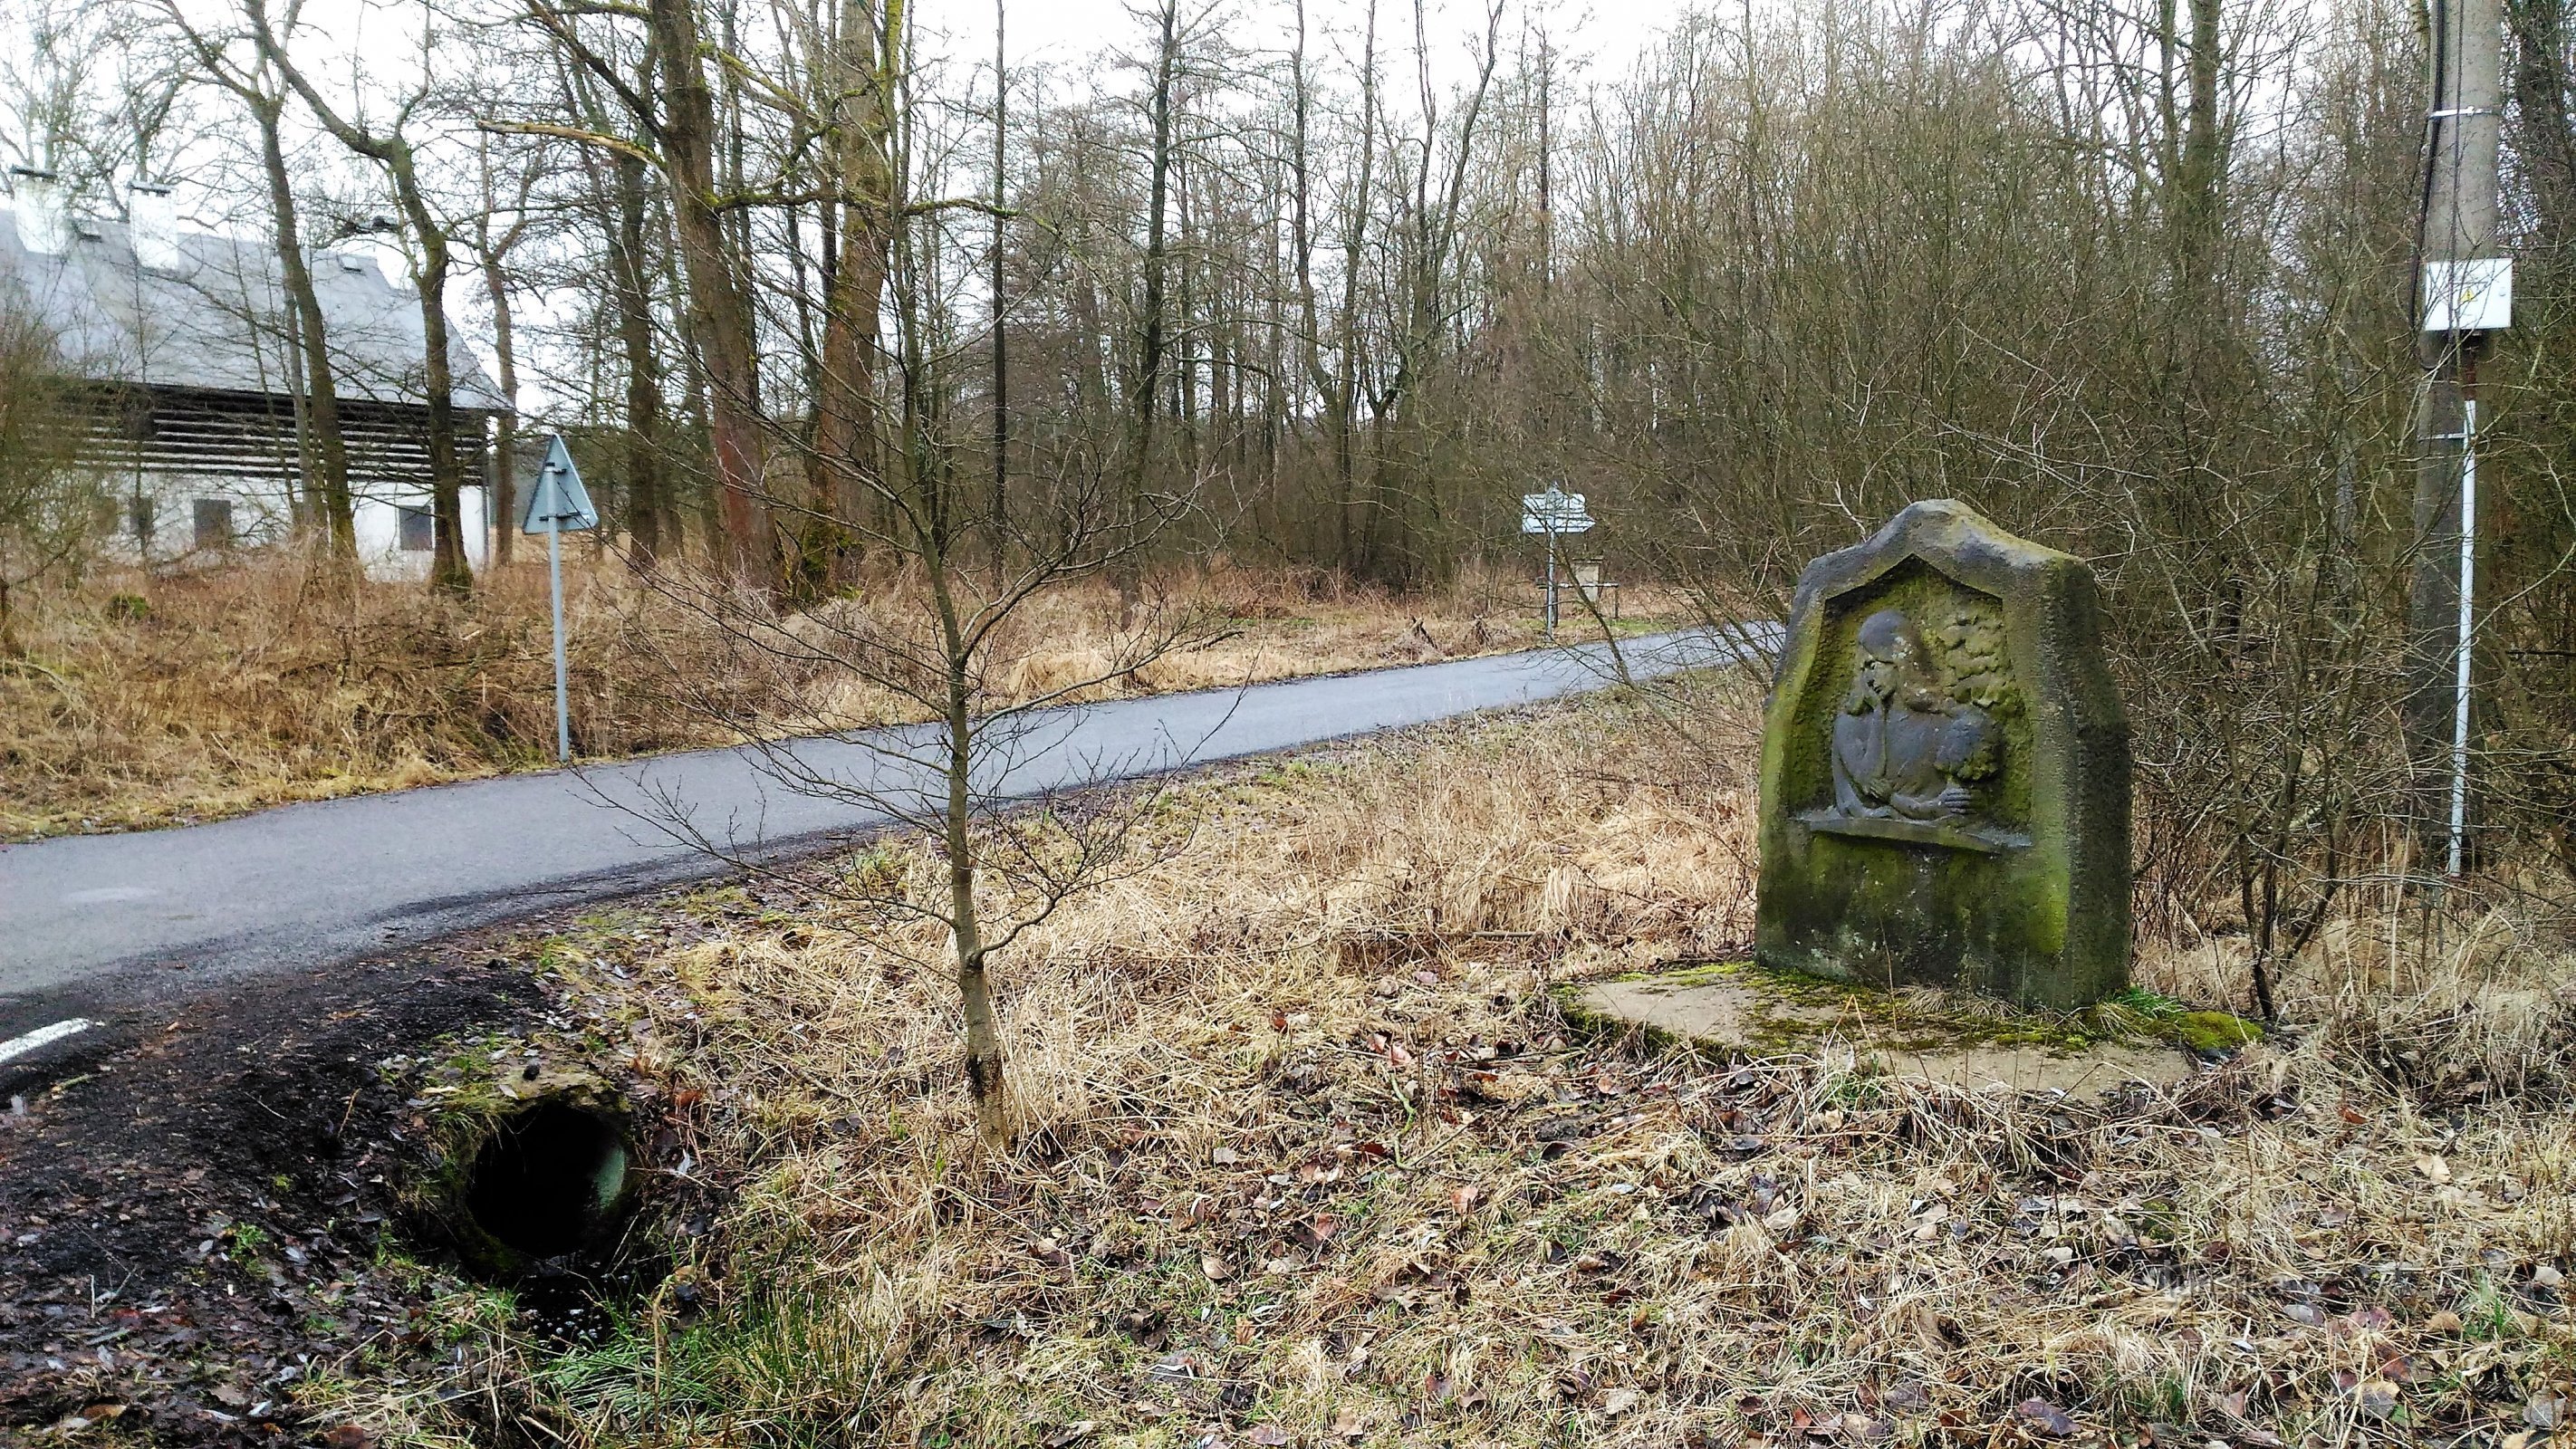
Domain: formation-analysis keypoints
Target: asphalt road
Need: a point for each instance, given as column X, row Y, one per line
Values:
column 94, row 925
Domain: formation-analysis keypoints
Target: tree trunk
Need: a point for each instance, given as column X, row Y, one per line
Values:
column 719, row 306
column 934, row 542
column 1346, row 364
column 984, row 1058
column 648, row 504
column 1301, row 234
column 449, row 568
column 327, row 467
column 845, row 433
column 503, row 487
column 1149, row 353
column 999, row 507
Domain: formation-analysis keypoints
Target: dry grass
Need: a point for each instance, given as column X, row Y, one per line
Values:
column 1311, row 1157
column 255, row 684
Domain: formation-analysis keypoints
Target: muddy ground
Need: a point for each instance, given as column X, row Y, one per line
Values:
column 194, row 1222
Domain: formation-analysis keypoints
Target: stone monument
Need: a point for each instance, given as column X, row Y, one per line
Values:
column 1945, row 770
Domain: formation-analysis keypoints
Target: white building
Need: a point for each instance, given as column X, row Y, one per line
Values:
column 199, row 422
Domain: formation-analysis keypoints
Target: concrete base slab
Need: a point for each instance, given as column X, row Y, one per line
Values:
column 1914, row 1032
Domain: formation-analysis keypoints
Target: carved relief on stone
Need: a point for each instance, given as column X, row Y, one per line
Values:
column 1919, row 735
column 1945, row 769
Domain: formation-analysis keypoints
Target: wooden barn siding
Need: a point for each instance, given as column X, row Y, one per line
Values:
column 251, row 436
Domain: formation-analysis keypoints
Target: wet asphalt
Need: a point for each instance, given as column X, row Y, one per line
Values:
column 100, row 927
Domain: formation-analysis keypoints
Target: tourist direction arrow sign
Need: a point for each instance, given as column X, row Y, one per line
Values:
column 1555, row 511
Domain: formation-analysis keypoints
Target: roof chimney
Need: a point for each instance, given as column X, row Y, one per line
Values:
column 43, row 213
column 155, row 227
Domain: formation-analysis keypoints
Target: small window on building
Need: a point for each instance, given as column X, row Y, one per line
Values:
column 419, row 530
column 214, row 523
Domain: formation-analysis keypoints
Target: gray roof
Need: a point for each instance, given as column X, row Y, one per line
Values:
column 214, row 320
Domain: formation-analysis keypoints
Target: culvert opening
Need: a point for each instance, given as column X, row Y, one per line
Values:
column 550, row 1180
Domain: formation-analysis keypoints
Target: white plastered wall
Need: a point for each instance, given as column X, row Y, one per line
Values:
column 379, row 525
column 260, row 516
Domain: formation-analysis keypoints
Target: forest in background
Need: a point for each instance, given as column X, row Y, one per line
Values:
column 813, row 307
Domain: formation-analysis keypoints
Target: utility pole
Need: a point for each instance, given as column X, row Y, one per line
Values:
column 2457, row 227
column 1001, row 345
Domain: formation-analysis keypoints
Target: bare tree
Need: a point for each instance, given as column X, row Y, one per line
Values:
column 861, row 68
column 49, row 506
column 491, row 246
column 949, row 637
column 670, row 125
column 392, row 149
column 323, row 449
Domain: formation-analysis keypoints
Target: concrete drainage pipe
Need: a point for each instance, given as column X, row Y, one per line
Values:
column 552, row 1178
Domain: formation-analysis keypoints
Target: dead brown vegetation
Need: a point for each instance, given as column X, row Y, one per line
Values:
column 210, row 693
column 1310, row 1156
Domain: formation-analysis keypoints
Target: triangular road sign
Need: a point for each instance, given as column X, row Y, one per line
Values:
column 556, row 499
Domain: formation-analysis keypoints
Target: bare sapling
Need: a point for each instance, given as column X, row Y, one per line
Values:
column 49, row 509
column 1017, row 811
column 938, row 575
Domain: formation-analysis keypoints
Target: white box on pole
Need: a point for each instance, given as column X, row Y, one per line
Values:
column 2475, row 295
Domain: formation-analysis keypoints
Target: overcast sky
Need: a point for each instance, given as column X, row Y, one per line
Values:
column 1061, row 32
column 1595, row 39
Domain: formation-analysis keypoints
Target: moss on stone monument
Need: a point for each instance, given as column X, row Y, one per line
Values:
column 1788, row 1011
column 1945, row 770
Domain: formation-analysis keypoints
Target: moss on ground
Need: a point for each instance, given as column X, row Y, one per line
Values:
column 1923, row 1019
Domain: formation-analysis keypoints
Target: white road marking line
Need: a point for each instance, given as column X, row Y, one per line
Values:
column 43, row 1036
column 105, row 895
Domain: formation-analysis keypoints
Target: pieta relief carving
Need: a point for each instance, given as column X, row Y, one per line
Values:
column 1945, row 769
column 1919, row 737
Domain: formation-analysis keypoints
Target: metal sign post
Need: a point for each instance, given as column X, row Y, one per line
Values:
column 2463, row 301
column 1551, row 581
column 558, row 502
column 2468, row 635
column 1553, row 513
